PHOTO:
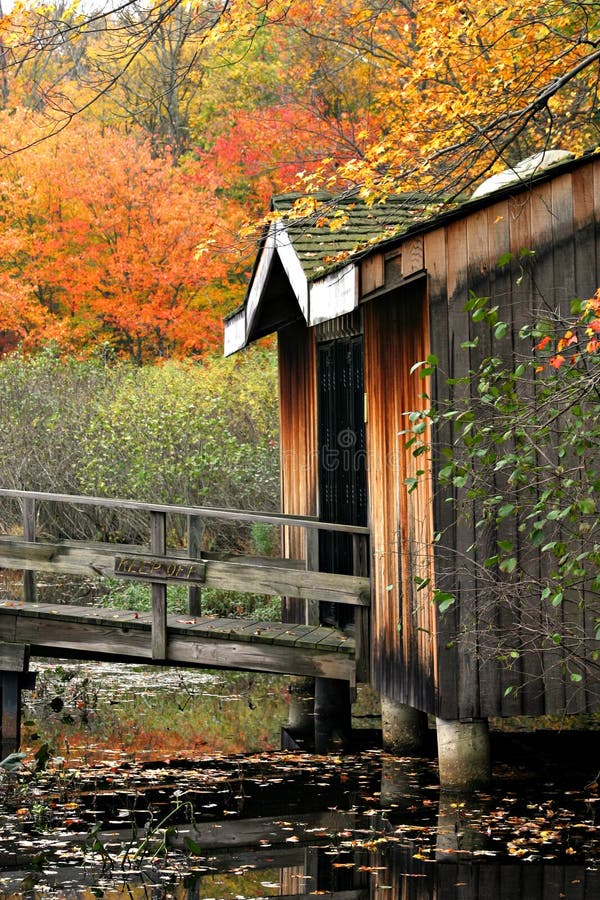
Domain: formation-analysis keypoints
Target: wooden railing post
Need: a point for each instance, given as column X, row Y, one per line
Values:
column 311, row 613
column 194, row 552
column 14, row 663
column 362, row 614
column 29, row 588
column 158, row 546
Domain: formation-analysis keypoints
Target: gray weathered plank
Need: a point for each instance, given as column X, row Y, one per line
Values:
column 228, row 575
column 208, row 512
column 209, row 643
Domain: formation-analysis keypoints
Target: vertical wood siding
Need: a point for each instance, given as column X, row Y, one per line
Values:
column 299, row 455
column 442, row 663
column 396, row 337
column 560, row 221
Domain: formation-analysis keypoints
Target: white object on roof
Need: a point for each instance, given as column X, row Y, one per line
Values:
column 522, row 171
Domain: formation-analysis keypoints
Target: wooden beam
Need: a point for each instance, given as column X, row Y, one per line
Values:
column 194, row 547
column 52, row 630
column 207, row 512
column 311, row 607
column 158, row 546
column 14, row 662
column 10, row 713
column 362, row 614
column 160, row 569
column 29, row 535
column 256, row 578
column 14, row 657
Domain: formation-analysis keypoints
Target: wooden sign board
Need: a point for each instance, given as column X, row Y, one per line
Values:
column 159, row 569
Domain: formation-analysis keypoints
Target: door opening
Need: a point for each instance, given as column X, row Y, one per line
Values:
column 342, row 459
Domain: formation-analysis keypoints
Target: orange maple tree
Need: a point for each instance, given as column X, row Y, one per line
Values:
column 98, row 246
column 366, row 94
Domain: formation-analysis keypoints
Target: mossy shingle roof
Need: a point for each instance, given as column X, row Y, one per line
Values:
column 327, row 231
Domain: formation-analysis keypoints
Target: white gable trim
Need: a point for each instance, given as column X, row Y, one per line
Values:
column 235, row 333
column 260, row 279
column 292, row 266
column 335, row 295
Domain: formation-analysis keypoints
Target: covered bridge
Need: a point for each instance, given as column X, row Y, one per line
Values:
column 357, row 297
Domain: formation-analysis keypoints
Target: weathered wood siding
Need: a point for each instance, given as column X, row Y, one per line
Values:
column 559, row 220
column 396, row 337
column 413, row 298
column 299, row 454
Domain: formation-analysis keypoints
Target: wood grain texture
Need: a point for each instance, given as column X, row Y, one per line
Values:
column 205, row 642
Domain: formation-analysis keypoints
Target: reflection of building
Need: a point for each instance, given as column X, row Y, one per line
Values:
column 352, row 325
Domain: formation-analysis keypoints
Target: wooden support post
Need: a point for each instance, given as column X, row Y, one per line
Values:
column 362, row 615
column 311, row 607
column 158, row 546
column 14, row 662
column 29, row 588
column 194, row 552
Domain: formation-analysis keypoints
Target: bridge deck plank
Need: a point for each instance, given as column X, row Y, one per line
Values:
column 202, row 641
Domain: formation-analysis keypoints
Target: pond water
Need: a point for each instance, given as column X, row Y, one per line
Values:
column 99, row 821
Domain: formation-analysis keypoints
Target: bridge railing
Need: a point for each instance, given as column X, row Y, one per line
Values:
column 160, row 565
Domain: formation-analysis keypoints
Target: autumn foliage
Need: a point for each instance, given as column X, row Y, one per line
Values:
column 578, row 340
column 131, row 138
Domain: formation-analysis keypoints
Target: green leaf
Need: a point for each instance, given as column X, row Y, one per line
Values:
column 508, row 565
column 575, row 676
column 505, row 546
column 501, row 330
column 504, row 259
column 192, row 846
column 505, row 510
column 444, row 600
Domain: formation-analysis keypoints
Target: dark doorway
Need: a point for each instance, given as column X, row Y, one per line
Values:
column 342, row 459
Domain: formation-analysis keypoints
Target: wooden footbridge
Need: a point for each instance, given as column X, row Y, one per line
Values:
column 64, row 630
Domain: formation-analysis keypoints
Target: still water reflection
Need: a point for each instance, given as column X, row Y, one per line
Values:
column 294, row 825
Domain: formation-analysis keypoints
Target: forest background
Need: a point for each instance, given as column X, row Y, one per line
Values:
column 139, row 147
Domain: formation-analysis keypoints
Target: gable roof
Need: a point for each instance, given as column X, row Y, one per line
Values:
column 333, row 229
column 309, row 256
column 304, row 252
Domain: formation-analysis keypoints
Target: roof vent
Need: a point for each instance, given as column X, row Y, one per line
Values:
column 522, row 171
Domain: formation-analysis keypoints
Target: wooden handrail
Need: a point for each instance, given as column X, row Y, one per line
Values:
column 312, row 586
column 208, row 512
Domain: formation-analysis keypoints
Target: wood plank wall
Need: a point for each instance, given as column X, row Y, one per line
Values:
column 299, row 455
column 418, row 657
column 396, row 336
column 560, row 221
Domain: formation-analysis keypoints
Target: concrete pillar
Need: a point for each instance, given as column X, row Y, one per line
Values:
column 404, row 728
column 333, row 715
column 464, row 754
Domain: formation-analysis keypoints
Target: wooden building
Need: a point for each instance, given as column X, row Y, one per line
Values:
column 352, row 318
